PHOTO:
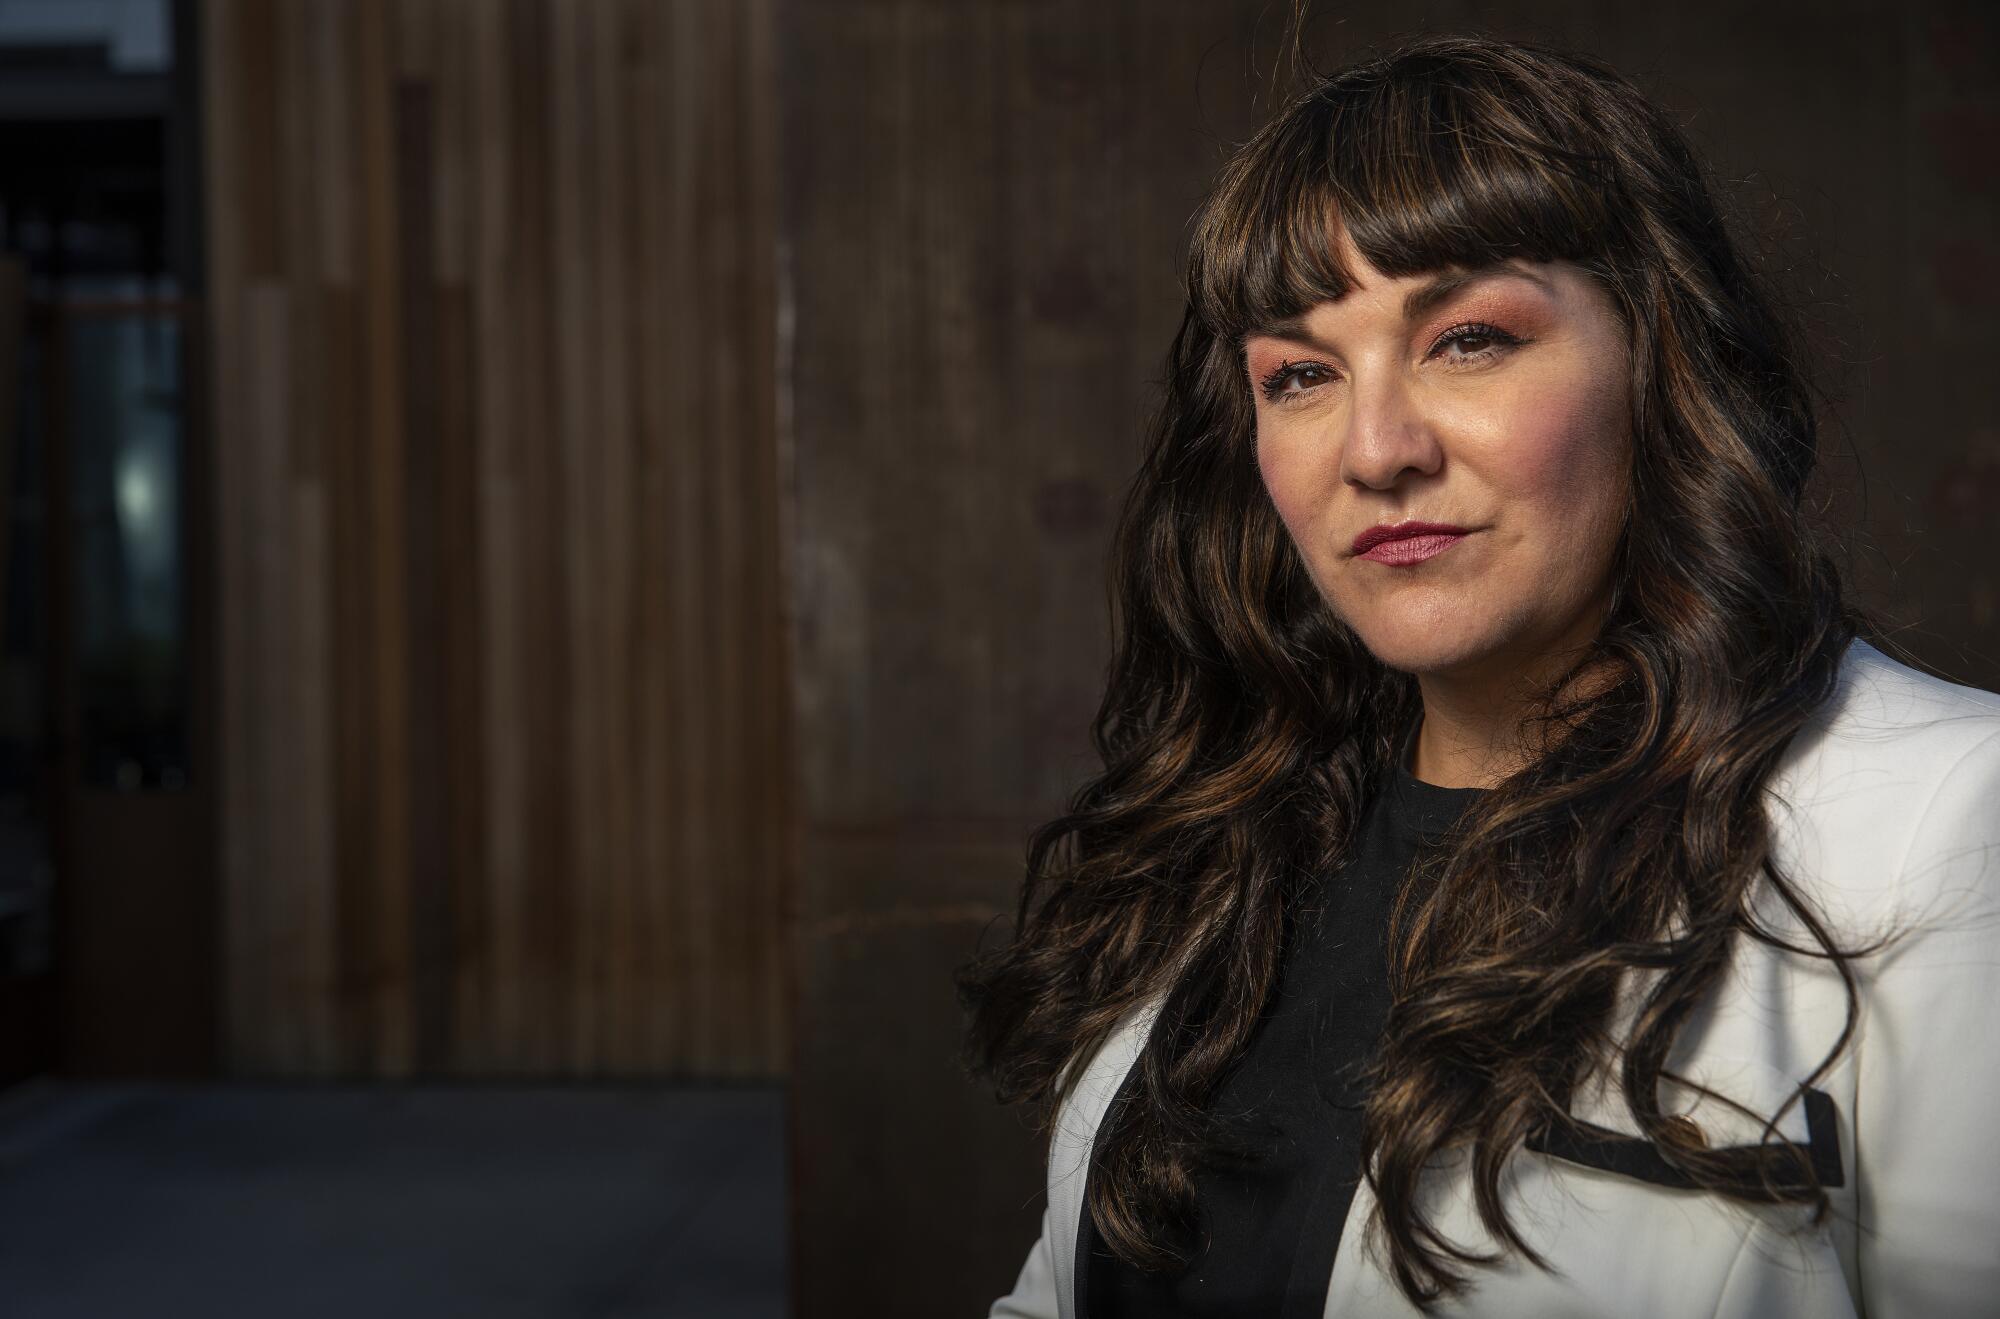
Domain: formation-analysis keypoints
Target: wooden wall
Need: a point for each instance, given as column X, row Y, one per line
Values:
column 503, row 716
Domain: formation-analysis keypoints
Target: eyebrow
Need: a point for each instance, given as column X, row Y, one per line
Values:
column 1417, row 303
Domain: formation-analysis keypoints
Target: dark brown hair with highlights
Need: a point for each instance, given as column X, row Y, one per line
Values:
column 1244, row 726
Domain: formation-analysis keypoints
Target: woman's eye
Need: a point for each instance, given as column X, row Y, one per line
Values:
column 1461, row 345
column 1470, row 343
column 1292, row 379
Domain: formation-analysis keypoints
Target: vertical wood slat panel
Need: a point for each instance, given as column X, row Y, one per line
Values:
column 690, row 711
column 465, row 733
column 548, row 907
column 572, row 588
column 611, row 389
column 274, row 909
column 452, row 249
column 311, row 838
column 772, row 866
column 504, row 694
column 239, row 851
column 429, row 900
column 659, row 778
column 357, row 817
column 494, row 306
column 736, row 381
column 384, row 959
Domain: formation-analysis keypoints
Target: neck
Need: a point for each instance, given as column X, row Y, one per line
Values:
column 1470, row 738
column 1477, row 726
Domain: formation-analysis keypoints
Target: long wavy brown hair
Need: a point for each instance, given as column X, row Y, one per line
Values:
column 1244, row 726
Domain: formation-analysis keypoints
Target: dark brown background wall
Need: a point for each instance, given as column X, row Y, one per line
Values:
column 982, row 207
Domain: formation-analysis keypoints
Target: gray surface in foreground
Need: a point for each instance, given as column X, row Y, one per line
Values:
column 386, row 1201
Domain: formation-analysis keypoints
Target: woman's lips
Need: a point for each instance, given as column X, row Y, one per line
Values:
column 1407, row 542
column 1412, row 549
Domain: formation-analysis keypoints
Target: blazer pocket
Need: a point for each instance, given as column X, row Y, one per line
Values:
column 1592, row 1146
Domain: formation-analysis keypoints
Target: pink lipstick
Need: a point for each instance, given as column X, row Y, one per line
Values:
column 1404, row 543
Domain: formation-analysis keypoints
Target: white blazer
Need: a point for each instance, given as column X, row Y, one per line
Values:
column 1885, row 810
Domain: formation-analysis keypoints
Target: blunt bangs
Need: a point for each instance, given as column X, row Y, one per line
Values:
column 1428, row 165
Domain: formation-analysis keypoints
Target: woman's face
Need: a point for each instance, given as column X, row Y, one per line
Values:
column 1493, row 403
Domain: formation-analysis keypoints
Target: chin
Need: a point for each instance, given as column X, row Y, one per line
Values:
column 1420, row 659
column 1426, row 646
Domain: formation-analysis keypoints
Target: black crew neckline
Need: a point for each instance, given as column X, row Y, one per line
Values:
column 1424, row 808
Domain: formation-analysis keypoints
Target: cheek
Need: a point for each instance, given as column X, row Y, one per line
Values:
column 1563, row 451
column 1292, row 476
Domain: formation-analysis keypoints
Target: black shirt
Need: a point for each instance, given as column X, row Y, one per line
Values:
column 1273, row 1227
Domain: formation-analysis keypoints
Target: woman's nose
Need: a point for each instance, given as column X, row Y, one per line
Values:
column 1388, row 435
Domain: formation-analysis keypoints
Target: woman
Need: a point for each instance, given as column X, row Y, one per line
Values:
column 1513, row 887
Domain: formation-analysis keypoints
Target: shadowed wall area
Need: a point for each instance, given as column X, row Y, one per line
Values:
column 502, row 736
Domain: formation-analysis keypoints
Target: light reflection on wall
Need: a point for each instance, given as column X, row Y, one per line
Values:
column 143, row 495
column 126, row 448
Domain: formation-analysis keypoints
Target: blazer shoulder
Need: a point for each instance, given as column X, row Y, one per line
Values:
column 1887, row 721
column 1897, row 768
column 1881, row 699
